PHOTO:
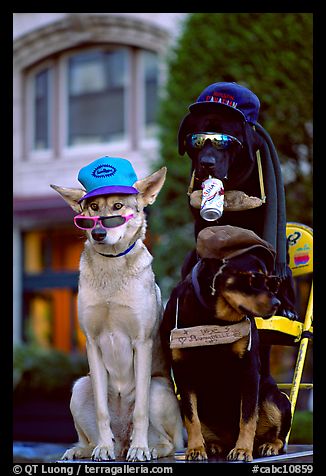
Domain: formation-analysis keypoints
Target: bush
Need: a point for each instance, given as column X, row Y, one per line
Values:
column 47, row 372
column 302, row 428
column 271, row 54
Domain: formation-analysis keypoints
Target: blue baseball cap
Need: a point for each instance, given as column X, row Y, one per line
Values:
column 231, row 95
column 108, row 176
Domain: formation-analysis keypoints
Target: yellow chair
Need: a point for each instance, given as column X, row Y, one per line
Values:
column 285, row 331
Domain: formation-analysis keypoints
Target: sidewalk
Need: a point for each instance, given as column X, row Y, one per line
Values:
column 28, row 452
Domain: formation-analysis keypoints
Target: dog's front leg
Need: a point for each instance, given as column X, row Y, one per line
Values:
column 184, row 373
column 139, row 450
column 196, row 444
column 244, row 446
column 105, row 446
column 248, row 409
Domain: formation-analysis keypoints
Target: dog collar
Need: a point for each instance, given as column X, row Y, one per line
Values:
column 195, row 283
column 120, row 254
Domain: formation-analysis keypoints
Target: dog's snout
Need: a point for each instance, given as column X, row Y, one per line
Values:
column 98, row 234
column 207, row 161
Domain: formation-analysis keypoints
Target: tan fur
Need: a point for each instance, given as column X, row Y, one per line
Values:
column 119, row 307
column 259, row 305
column 176, row 354
column 269, row 416
column 240, row 346
column 196, row 444
column 244, row 445
column 225, row 311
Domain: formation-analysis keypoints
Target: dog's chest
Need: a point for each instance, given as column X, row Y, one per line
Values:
column 117, row 354
column 115, row 299
column 107, row 282
column 111, row 279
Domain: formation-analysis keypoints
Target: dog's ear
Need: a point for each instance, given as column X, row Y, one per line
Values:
column 71, row 196
column 150, row 186
column 252, row 138
column 184, row 128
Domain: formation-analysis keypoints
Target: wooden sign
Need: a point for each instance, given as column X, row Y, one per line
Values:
column 208, row 335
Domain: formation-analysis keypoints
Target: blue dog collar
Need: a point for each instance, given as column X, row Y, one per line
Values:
column 120, row 254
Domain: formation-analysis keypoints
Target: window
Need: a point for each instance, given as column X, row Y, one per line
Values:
column 93, row 97
column 151, row 91
column 42, row 110
column 97, row 90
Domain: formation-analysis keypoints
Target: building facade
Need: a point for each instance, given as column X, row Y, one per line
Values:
column 85, row 85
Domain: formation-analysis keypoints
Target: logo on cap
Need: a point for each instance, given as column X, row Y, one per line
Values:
column 222, row 99
column 104, row 170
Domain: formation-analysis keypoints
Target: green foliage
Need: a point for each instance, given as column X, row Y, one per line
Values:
column 302, row 428
column 45, row 371
column 271, row 54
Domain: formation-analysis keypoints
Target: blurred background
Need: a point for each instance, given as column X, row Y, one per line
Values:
column 119, row 84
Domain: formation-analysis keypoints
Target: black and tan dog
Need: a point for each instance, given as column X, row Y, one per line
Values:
column 229, row 409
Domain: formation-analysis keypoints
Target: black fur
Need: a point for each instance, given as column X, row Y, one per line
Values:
column 237, row 168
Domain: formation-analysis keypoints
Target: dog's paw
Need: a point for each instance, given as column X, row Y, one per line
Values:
column 136, row 453
column 196, row 454
column 154, row 453
column 240, row 454
column 77, row 452
column 270, row 449
column 103, row 453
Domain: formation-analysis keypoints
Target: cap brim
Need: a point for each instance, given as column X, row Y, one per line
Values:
column 110, row 190
column 208, row 106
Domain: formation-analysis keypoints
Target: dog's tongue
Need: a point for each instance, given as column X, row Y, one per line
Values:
column 229, row 241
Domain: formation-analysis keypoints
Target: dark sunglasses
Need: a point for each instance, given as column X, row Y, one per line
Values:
column 88, row 223
column 260, row 281
column 219, row 141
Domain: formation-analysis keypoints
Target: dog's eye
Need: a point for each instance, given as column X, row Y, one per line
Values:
column 94, row 206
column 117, row 206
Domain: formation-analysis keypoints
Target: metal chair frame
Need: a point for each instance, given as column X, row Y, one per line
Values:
column 300, row 239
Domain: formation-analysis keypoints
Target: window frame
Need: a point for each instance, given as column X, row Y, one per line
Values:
column 134, row 137
column 64, row 94
column 49, row 152
column 144, row 137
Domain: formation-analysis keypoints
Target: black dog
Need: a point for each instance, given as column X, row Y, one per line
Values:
column 229, row 410
column 232, row 110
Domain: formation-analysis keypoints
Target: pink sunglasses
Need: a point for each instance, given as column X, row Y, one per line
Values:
column 89, row 223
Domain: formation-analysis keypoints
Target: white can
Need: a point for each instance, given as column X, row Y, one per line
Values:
column 212, row 202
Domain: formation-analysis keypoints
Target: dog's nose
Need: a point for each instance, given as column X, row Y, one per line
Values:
column 98, row 234
column 207, row 161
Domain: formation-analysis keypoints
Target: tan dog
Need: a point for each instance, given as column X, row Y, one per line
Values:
column 127, row 406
